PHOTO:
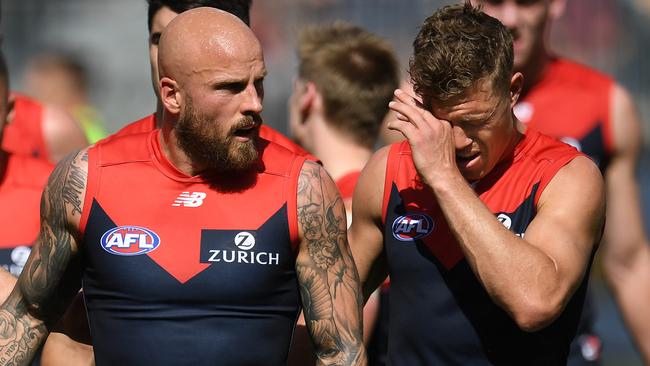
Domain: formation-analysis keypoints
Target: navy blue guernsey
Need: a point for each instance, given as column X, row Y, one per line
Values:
column 439, row 312
column 185, row 270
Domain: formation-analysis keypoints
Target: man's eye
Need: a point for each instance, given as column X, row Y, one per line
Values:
column 232, row 87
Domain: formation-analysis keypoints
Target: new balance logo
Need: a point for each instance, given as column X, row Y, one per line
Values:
column 189, row 199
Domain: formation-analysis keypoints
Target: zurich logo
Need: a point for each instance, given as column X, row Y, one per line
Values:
column 244, row 240
column 129, row 240
column 412, row 226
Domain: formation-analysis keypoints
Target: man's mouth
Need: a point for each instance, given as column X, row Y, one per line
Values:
column 464, row 159
column 247, row 132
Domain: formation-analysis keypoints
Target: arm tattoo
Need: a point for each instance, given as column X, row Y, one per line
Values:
column 329, row 283
column 41, row 293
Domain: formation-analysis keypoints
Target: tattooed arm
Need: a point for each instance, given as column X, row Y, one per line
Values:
column 51, row 276
column 328, row 279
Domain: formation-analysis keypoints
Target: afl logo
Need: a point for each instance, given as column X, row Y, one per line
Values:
column 129, row 240
column 412, row 226
column 244, row 240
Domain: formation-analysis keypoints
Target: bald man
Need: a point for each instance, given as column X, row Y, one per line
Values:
column 220, row 238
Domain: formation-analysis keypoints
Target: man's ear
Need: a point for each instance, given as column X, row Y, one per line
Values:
column 308, row 99
column 557, row 9
column 170, row 95
column 516, row 84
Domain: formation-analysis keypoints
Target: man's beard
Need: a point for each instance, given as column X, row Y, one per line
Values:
column 202, row 141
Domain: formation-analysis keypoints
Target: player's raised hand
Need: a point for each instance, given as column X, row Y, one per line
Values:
column 431, row 139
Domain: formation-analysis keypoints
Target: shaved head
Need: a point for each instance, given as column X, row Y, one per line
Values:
column 193, row 39
column 211, row 70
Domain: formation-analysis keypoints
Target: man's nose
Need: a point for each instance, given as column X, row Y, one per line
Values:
column 461, row 140
column 253, row 100
column 509, row 14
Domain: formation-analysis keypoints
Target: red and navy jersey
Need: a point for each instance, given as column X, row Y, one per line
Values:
column 440, row 314
column 148, row 123
column 572, row 102
column 23, row 134
column 21, row 185
column 189, row 270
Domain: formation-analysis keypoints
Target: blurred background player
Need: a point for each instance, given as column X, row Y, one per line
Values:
column 346, row 77
column 40, row 130
column 22, row 179
column 589, row 110
column 61, row 79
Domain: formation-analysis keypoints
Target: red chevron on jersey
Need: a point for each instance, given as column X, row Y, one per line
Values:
column 451, row 317
column 206, row 263
column 147, row 197
column 571, row 102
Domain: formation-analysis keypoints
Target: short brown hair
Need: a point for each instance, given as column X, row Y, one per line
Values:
column 457, row 46
column 356, row 73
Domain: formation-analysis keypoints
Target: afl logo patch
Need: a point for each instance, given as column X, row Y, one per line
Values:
column 412, row 226
column 129, row 240
column 244, row 240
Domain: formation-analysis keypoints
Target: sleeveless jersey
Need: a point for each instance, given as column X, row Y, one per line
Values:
column 572, row 102
column 189, row 270
column 440, row 314
column 21, row 186
column 148, row 123
column 23, row 134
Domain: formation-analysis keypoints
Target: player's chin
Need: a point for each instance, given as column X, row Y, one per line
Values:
column 471, row 170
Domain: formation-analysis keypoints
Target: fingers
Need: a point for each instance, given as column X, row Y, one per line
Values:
column 405, row 97
column 406, row 128
column 408, row 112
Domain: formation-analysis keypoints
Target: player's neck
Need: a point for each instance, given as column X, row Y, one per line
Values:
column 170, row 147
column 338, row 154
column 159, row 114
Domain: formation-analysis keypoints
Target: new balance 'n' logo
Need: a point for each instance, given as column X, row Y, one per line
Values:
column 189, row 199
